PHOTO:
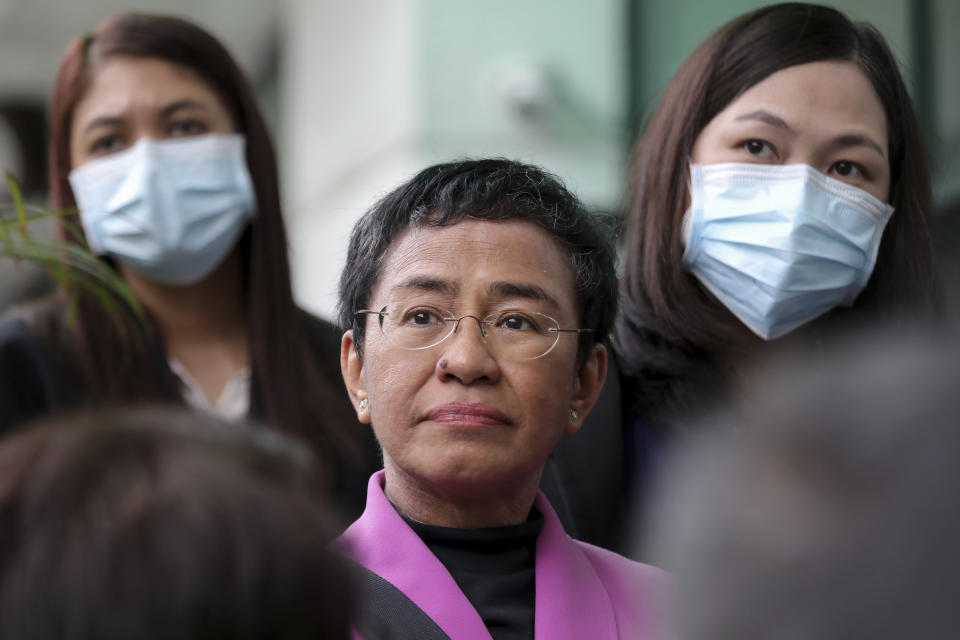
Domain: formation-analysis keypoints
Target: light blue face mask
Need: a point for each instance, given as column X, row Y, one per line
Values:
column 780, row 245
column 171, row 210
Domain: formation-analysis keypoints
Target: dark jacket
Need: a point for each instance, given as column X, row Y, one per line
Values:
column 38, row 376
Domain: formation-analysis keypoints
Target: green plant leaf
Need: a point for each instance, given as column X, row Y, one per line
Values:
column 75, row 232
column 68, row 259
column 17, row 196
column 59, row 274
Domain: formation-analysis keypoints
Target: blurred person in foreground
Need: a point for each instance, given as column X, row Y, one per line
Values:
column 474, row 299
column 163, row 525
column 825, row 506
column 157, row 139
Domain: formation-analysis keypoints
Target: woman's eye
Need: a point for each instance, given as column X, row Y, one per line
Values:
column 759, row 149
column 187, row 128
column 107, row 144
column 517, row 323
column 422, row 317
column 847, row 169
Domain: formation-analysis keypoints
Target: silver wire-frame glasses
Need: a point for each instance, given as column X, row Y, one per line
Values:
column 512, row 334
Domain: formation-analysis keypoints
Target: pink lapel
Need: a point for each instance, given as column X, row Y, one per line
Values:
column 581, row 591
column 382, row 542
column 571, row 600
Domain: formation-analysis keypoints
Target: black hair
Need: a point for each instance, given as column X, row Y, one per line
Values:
column 489, row 189
column 159, row 525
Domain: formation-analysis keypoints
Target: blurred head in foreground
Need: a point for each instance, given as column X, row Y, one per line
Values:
column 160, row 524
column 826, row 508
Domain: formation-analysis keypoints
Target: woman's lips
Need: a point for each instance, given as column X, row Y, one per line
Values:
column 467, row 413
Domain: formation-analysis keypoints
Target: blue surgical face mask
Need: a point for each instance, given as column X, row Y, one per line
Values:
column 171, row 210
column 780, row 245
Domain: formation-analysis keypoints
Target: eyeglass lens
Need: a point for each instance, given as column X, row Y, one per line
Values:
column 518, row 334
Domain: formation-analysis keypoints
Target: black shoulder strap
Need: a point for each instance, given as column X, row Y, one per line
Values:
column 383, row 612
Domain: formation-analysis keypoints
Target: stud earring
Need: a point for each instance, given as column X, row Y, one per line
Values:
column 574, row 416
column 364, row 403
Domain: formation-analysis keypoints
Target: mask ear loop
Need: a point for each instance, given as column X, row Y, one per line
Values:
column 686, row 227
column 685, row 224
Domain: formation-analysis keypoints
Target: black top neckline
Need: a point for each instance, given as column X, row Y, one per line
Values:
column 495, row 567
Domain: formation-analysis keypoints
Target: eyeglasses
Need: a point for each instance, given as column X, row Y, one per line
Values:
column 512, row 334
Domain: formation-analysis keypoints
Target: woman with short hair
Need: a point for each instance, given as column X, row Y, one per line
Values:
column 475, row 298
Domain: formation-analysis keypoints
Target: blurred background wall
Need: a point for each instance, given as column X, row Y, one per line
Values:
column 361, row 94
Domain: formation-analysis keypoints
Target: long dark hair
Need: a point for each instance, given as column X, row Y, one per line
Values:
column 671, row 329
column 116, row 354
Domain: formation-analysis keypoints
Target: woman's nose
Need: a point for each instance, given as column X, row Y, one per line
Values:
column 466, row 355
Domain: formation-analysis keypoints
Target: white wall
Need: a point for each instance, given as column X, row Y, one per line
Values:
column 374, row 90
column 348, row 126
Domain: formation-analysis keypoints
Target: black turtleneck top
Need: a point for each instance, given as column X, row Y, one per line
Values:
column 495, row 569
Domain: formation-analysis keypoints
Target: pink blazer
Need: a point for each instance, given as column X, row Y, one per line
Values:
column 582, row 591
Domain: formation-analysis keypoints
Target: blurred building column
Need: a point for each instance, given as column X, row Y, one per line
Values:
column 349, row 89
column 375, row 90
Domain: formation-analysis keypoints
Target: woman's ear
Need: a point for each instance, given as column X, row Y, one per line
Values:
column 587, row 386
column 351, row 367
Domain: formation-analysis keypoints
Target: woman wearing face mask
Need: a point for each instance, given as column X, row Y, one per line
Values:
column 793, row 195
column 779, row 190
column 157, row 140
